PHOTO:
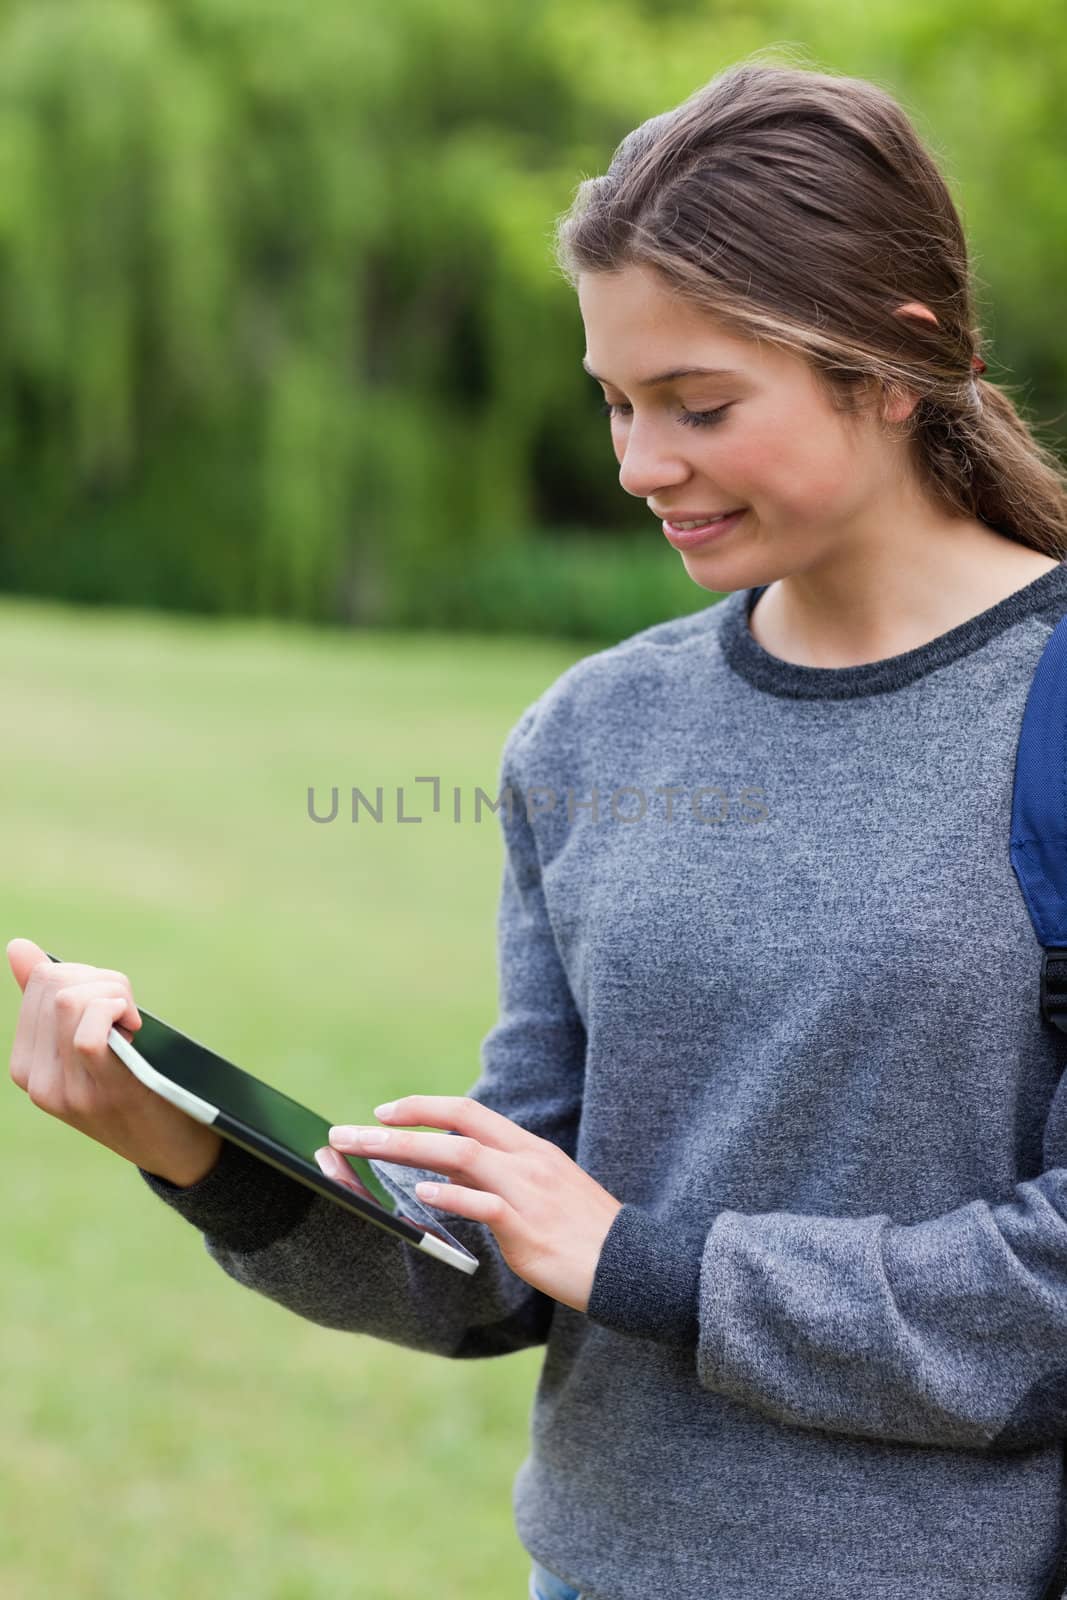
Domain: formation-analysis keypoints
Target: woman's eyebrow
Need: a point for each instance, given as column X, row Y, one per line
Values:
column 671, row 376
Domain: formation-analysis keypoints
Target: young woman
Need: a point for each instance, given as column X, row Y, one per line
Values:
column 768, row 1147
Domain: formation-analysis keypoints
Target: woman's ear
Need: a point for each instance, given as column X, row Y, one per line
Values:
column 899, row 401
column 915, row 308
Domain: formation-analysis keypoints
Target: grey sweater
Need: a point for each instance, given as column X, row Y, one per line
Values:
column 777, row 991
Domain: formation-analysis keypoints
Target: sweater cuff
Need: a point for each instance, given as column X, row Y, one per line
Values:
column 243, row 1203
column 647, row 1280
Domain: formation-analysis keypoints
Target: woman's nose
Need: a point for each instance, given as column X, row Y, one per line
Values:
column 646, row 467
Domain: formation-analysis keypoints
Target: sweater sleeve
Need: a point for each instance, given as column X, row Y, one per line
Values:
column 282, row 1240
column 951, row 1331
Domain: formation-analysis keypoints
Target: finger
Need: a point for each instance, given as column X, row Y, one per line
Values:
column 112, row 985
column 71, row 1079
column 90, row 1036
column 97, row 1057
column 35, row 1027
column 460, row 1112
column 22, row 956
column 477, row 1204
column 48, row 980
column 437, row 1152
column 39, row 1056
column 336, row 1167
column 29, row 1038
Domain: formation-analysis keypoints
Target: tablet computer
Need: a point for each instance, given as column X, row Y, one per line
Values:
column 280, row 1131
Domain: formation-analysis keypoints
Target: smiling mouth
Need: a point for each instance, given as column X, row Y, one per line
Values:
column 684, row 536
column 701, row 522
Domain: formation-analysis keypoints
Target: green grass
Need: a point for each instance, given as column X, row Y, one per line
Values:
column 166, row 1431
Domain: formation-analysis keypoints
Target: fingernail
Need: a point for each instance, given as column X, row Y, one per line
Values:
column 386, row 1110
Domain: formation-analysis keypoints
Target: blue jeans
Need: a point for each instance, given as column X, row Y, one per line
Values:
column 544, row 1585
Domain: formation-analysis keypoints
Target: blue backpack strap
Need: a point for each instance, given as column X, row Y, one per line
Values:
column 1039, row 819
column 1039, row 857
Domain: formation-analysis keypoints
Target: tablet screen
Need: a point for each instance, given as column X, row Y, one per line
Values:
column 293, row 1127
column 251, row 1101
column 281, row 1131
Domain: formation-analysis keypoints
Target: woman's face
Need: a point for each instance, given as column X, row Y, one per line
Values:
column 808, row 478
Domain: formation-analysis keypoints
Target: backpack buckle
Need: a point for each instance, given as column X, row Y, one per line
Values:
column 1054, row 986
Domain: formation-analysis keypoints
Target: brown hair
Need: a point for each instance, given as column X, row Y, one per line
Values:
column 801, row 207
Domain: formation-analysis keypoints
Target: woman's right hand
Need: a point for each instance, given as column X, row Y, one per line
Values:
column 61, row 1058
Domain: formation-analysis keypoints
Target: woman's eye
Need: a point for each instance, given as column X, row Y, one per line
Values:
column 693, row 419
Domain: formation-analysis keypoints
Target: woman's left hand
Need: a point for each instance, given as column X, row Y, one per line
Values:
column 549, row 1217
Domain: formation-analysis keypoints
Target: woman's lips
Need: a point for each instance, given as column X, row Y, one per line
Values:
column 685, row 538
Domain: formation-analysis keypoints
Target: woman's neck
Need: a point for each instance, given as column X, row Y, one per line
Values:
column 880, row 605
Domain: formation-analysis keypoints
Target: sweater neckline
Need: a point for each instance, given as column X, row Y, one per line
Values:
column 770, row 673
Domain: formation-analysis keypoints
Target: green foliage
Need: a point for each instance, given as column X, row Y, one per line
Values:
column 577, row 586
column 280, row 323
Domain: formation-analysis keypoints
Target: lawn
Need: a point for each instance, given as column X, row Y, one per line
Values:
column 168, row 1432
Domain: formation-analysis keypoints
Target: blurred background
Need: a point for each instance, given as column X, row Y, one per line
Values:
column 304, row 486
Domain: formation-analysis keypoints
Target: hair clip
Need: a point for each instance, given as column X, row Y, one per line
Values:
column 977, row 364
